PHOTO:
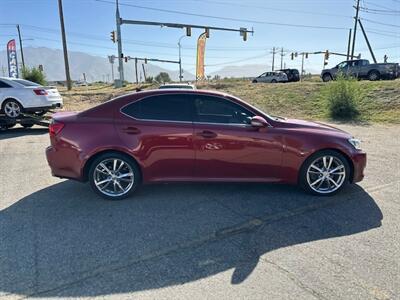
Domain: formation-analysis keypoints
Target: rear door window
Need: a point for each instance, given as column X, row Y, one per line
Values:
column 169, row 107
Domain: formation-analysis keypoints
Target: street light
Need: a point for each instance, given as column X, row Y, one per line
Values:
column 180, row 61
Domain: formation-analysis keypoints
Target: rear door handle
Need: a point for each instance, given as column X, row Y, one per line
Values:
column 131, row 130
column 207, row 134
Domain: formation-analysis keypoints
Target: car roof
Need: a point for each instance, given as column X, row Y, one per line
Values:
column 180, row 91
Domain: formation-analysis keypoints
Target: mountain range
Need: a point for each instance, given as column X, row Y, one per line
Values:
column 97, row 68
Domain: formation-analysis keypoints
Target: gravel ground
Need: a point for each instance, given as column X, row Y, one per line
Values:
column 198, row 241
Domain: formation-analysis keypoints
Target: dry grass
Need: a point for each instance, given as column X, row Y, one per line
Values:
column 381, row 103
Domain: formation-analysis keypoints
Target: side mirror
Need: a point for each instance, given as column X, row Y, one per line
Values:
column 258, row 122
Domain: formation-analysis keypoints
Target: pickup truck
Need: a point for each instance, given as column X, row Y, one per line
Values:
column 362, row 69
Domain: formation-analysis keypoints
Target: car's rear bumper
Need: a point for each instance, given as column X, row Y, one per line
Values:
column 359, row 162
column 47, row 107
column 63, row 163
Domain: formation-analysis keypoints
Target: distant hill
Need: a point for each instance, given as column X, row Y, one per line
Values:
column 96, row 68
column 242, row 71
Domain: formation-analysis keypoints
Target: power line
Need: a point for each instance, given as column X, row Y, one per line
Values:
column 274, row 9
column 224, row 18
column 380, row 23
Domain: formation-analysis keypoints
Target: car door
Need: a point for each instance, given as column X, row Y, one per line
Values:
column 228, row 147
column 262, row 77
column 159, row 132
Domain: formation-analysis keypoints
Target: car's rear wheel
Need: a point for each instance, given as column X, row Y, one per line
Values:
column 114, row 176
column 325, row 173
column 12, row 108
column 374, row 75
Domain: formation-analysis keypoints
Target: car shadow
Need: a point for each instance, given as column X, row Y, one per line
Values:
column 63, row 241
column 20, row 131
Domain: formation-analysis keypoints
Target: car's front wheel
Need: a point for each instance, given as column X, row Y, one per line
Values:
column 12, row 108
column 114, row 176
column 324, row 173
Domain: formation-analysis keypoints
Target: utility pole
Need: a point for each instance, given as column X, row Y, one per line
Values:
column 180, row 60
column 302, row 66
column 144, row 72
column 119, row 41
column 348, row 45
column 273, row 58
column 366, row 39
column 282, row 58
column 137, row 80
column 355, row 28
column 64, row 41
column 20, row 45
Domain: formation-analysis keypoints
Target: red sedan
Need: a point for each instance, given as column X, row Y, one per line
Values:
column 184, row 135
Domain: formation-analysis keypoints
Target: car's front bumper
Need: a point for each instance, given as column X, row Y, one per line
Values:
column 359, row 160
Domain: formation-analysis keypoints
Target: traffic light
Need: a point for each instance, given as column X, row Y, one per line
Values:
column 207, row 32
column 126, row 59
column 243, row 33
column 145, row 60
column 292, row 55
column 113, row 37
column 188, row 31
column 306, row 55
column 326, row 54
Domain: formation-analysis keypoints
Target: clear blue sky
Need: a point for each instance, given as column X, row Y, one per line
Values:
column 89, row 22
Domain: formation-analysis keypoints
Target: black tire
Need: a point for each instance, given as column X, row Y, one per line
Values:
column 273, row 81
column 17, row 108
column 27, row 125
column 131, row 165
column 326, row 77
column 254, row 81
column 374, row 76
column 313, row 159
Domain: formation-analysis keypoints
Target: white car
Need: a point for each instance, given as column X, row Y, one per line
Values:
column 19, row 95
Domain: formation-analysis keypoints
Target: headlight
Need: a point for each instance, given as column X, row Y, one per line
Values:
column 356, row 143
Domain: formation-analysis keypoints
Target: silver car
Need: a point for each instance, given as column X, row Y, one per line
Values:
column 272, row 77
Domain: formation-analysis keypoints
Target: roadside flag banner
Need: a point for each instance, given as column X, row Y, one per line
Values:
column 12, row 59
column 201, row 47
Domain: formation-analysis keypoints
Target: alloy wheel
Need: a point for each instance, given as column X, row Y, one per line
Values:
column 113, row 177
column 12, row 109
column 326, row 174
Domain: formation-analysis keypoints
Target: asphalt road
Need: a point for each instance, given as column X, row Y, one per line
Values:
column 198, row 241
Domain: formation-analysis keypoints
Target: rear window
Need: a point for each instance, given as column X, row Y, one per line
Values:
column 25, row 82
column 174, row 107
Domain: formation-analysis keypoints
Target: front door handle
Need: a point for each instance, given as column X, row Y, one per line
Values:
column 207, row 134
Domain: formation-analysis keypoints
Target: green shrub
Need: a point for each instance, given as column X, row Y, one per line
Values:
column 34, row 75
column 162, row 77
column 342, row 98
column 149, row 79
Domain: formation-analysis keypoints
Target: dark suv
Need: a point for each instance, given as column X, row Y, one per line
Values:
column 293, row 75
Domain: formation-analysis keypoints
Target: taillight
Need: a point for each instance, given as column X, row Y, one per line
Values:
column 40, row 92
column 55, row 128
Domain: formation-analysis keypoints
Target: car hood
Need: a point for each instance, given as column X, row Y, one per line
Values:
column 311, row 126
